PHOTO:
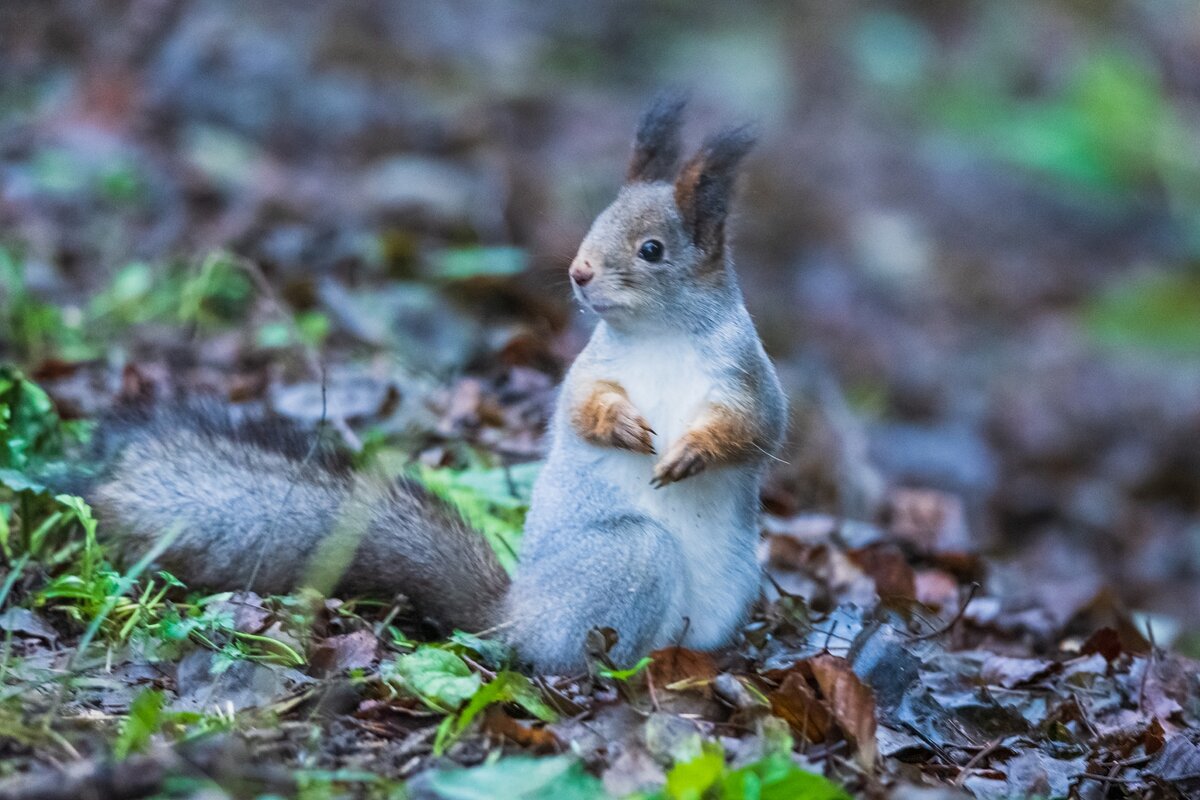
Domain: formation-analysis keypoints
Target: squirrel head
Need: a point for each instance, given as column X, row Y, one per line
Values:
column 660, row 247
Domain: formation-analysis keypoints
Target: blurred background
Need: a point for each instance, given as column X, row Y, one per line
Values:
column 970, row 237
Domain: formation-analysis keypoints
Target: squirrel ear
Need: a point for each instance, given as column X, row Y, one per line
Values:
column 705, row 185
column 657, row 145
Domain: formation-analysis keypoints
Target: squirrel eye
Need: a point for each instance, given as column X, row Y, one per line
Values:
column 651, row 250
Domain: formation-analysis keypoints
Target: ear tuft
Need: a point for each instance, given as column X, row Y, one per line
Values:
column 657, row 145
column 704, row 187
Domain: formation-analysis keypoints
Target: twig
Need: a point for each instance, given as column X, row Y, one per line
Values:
column 976, row 759
column 953, row 620
column 1149, row 666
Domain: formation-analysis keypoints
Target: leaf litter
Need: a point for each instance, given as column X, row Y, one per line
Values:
column 897, row 651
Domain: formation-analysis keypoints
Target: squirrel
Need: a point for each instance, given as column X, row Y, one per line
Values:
column 643, row 519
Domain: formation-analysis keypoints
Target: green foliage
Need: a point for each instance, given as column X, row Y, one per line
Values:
column 445, row 682
column 35, row 329
column 776, row 777
column 309, row 328
column 312, row 784
column 517, row 778
column 29, row 426
column 148, row 716
column 209, row 622
column 625, row 674
column 506, row 687
column 440, row 678
column 63, row 172
column 214, row 294
column 493, row 500
column 1100, row 130
column 59, row 534
column 1158, row 311
column 491, row 652
column 144, row 720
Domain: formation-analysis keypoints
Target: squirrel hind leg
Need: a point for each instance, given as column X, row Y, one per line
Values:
column 620, row 573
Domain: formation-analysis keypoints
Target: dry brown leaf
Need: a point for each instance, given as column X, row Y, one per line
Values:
column 796, row 703
column 348, row 651
column 678, row 668
column 1105, row 641
column 887, row 566
column 532, row 736
column 852, row 703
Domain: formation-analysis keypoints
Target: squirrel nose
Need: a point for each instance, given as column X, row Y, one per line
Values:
column 582, row 274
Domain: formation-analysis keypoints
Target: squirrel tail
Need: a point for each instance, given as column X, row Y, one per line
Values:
column 260, row 505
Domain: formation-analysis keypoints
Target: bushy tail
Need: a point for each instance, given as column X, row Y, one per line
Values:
column 253, row 504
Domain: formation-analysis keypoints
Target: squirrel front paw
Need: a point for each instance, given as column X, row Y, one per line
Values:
column 627, row 430
column 683, row 460
column 608, row 419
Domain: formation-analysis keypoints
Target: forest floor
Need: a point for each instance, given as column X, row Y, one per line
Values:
column 981, row 538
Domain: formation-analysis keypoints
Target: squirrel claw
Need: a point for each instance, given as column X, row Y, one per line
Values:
column 682, row 461
column 631, row 432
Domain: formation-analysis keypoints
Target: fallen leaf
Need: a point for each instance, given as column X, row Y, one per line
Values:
column 437, row 676
column 336, row 654
column 1010, row 672
column 1178, row 763
column 678, row 669
column 1105, row 641
column 24, row 622
column 887, row 566
column 936, row 588
column 852, row 703
column 1154, row 738
column 796, row 703
column 534, row 737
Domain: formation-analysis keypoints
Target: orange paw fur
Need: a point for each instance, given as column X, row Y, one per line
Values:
column 721, row 436
column 607, row 418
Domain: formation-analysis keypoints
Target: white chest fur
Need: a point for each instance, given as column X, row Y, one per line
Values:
column 669, row 382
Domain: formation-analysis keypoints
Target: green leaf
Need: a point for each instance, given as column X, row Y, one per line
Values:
column 28, row 422
column 494, row 501
column 439, row 677
column 517, row 778
column 625, row 674
column 493, row 652
column 778, row 778
column 144, row 720
column 691, row 779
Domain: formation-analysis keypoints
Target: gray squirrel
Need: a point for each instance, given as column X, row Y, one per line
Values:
column 643, row 519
